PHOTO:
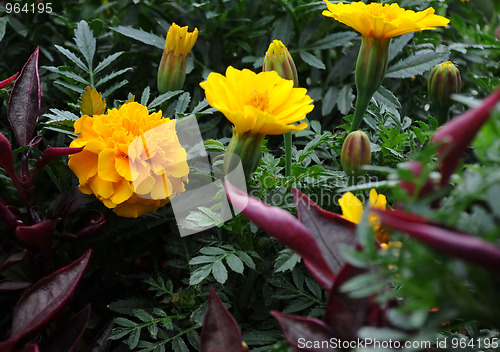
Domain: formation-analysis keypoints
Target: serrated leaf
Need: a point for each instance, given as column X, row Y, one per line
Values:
column 114, row 87
column 153, row 331
column 141, row 35
column 344, row 99
column 219, row 272
column 133, row 339
column 286, row 261
column 125, row 322
column 245, row 258
column 200, row 274
column 183, row 103
column 107, row 61
column 145, row 96
column 72, row 57
column 212, row 251
column 111, row 76
column 67, row 74
column 92, row 103
column 85, row 41
column 332, row 40
column 416, row 64
column 312, row 60
column 142, row 315
column 163, row 98
column 202, row 259
column 398, row 45
column 235, row 263
column 74, row 88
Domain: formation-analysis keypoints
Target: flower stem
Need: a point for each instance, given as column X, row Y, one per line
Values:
column 362, row 102
column 288, row 153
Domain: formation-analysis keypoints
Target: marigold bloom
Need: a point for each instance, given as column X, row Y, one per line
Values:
column 383, row 21
column 262, row 103
column 132, row 161
column 172, row 69
column 352, row 210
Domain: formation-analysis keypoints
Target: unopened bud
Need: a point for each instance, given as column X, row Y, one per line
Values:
column 244, row 148
column 172, row 69
column 279, row 59
column 356, row 153
column 444, row 80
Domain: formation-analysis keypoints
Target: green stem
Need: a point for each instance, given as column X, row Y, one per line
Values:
column 362, row 102
column 288, row 153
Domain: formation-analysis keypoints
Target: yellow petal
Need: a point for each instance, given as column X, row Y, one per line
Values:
column 106, row 166
column 352, row 208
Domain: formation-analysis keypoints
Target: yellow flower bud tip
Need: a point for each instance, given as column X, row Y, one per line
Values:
column 179, row 40
column 279, row 59
column 444, row 80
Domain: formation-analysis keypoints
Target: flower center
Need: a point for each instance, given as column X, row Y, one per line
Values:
column 259, row 100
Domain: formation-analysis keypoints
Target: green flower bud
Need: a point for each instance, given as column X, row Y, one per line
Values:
column 279, row 59
column 444, row 80
column 172, row 69
column 244, row 148
column 355, row 153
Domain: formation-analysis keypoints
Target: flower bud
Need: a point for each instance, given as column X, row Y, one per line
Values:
column 355, row 153
column 172, row 69
column 279, row 59
column 444, row 80
column 244, row 148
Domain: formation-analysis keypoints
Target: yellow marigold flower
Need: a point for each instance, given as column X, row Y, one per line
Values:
column 172, row 68
column 352, row 210
column 132, row 160
column 383, row 21
column 262, row 103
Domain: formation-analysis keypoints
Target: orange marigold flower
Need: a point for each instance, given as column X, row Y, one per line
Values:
column 133, row 161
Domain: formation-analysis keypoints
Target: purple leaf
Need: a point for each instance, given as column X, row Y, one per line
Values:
column 31, row 348
column 411, row 186
column 303, row 332
column 464, row 246
column 24, row 102
column 47, row 297
column 88, row 224
column 7, row 285
column 69, row 335
column 330, row 230
column 6, row 156
column 7, row 81
column 345, row 315
column 50, row 154
column 15, row 256
column 10, row 214
column 220, row 332
column 455, row 135
column 285, row 228
column 38, row 235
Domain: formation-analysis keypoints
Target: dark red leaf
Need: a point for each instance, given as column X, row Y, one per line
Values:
column 8, row 285
column 6, row 156
column 31, row 348
column 464, row 246
column 7, row 81
column 38, row 235
column 10, row 214
column 15, row 256
column 69, row 335
column 303, row 332
column 346, row 315
column 220, row 332
column 330, row 230
column 88, row 224
column 47, row 297
column 285, row 228
column 454, row 136
column 50, row 154
column 24, row 102
column 8, row 345
column 411, row 187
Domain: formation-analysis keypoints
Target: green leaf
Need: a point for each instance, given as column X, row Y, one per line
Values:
column 212, row 251
column 299, row 305
column 107, row 61
column 200, row 274
column 125, row 322
column 111, row 76
column 133, row 339
column 416, row 64
column 141, row 35
column 344, row 99
column 286, row 261
column 85, row 41
column 202, row 259
column 68, row 74
column 235, row 263
column 420, row 134
column 183, row 103
column 72, row 57
column 3, row 24
column 398, row 45
column 60, row 115
column 163, row 98
column 143, row 316
column 114, row 87
column 219, row 272
column 178, row 345
column 245, row 258
column 145, row 96
column 329, row 100
column 332, row 40
column 312, row 60
column 70, row 86
column 153, row 330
